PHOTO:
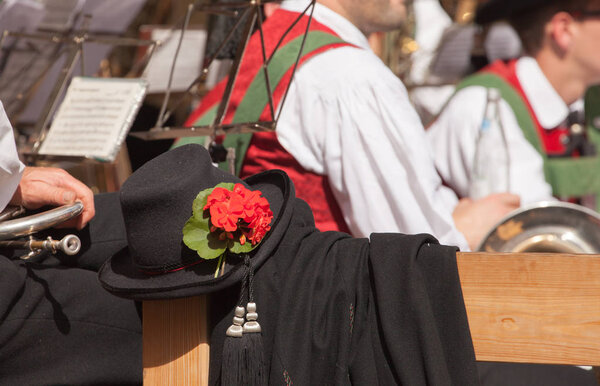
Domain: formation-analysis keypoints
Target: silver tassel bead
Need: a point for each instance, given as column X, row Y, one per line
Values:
column 251, row 324
column 236, row 329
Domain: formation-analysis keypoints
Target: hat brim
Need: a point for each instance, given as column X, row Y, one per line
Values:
column 121, row 277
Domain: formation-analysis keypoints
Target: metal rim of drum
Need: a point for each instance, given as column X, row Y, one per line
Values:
column 549, row 226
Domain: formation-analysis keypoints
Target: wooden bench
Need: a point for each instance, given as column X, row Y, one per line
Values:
column 532, row 308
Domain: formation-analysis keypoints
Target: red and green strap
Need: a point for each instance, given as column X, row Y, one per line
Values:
column 569, row 177
column 249, row 99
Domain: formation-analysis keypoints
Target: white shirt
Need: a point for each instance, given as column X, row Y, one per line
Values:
column 430, row 23
column 10, row 166
column 453, row 135
column 348, row 116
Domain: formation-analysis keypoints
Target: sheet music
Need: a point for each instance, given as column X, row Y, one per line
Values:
column 24, row 67
column 189, row 61
column 108, row 16
column 94, row 117
column 60, row 14
column 111, row 16
column 17, row 58
column 502, row 42
column 22, row 15
column 453, row 58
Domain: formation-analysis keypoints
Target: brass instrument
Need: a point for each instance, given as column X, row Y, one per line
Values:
column 14, row 228
column 465, row 11
column 546, row 227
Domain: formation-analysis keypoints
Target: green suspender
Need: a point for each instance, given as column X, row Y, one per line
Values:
column 256, row 99
column 569, row 177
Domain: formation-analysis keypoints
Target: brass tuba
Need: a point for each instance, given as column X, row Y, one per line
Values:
column 551, row 226
column 16, row 232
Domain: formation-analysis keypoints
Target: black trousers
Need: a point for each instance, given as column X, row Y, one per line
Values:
column 58, row 325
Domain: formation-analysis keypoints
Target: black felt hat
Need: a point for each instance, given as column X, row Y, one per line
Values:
column 494, row 10
column 156, row 203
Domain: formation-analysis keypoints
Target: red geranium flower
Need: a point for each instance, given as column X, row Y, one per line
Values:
column 241, row 209
column 260, row 224
column 228, row 217
column 249, row 198
column 226, row 208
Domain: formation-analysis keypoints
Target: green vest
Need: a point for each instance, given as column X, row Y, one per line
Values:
column 569, row 177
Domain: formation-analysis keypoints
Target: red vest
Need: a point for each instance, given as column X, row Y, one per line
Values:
column 249, row 103
column 550, row 139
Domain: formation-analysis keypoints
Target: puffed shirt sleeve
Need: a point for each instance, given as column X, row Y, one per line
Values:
column 453, row 138
column 10, row 166
column 348, row 117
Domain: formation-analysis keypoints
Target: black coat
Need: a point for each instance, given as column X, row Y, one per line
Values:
column 58, row 326
column 340, row 310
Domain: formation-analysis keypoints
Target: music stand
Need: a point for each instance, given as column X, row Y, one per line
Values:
column 74, row 42
column 251, row 10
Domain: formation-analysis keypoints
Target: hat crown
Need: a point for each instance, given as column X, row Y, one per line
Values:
column 157, row 200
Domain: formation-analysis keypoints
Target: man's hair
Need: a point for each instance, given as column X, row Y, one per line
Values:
column 530, row 24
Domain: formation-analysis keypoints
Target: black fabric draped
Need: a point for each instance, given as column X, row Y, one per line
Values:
column 339, row 310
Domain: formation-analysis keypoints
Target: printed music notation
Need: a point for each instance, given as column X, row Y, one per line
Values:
column 94, row 117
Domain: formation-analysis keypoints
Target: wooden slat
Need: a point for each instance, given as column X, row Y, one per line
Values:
column 175, row 339
column 537, row 308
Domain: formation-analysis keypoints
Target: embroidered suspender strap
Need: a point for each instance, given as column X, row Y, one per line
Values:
column 256, row 100
column 250, row 101
column 569, row 177
column 490, row 80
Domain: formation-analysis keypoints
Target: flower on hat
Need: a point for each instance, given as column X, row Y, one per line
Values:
column 227, row 217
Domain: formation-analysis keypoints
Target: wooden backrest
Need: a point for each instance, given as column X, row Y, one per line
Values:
column 535, row 308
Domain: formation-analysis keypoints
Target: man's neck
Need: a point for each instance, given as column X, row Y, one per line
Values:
column 341, row 8
column 562, row 75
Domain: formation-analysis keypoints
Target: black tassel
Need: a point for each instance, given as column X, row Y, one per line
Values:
column 243, row 360
column 231, row 369
column 254, row 361
column 232, row 363
column 253, row 346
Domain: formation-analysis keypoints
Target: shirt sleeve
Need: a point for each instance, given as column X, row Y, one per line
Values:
column 10, row 166
column 453, row 137
column 348, row 117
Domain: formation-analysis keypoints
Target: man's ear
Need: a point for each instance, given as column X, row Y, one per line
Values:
column 560, row 29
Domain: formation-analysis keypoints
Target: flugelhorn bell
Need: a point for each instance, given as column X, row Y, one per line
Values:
column 28, row 225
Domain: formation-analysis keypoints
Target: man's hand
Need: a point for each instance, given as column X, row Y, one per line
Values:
column 475, row 218
column 52, row 186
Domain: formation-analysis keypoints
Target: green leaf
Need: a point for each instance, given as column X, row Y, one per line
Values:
column 200, row 200
column 239, row 248
column 197, row 236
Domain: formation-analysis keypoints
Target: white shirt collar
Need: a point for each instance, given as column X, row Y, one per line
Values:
column 547, row 105
column 340, row 25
